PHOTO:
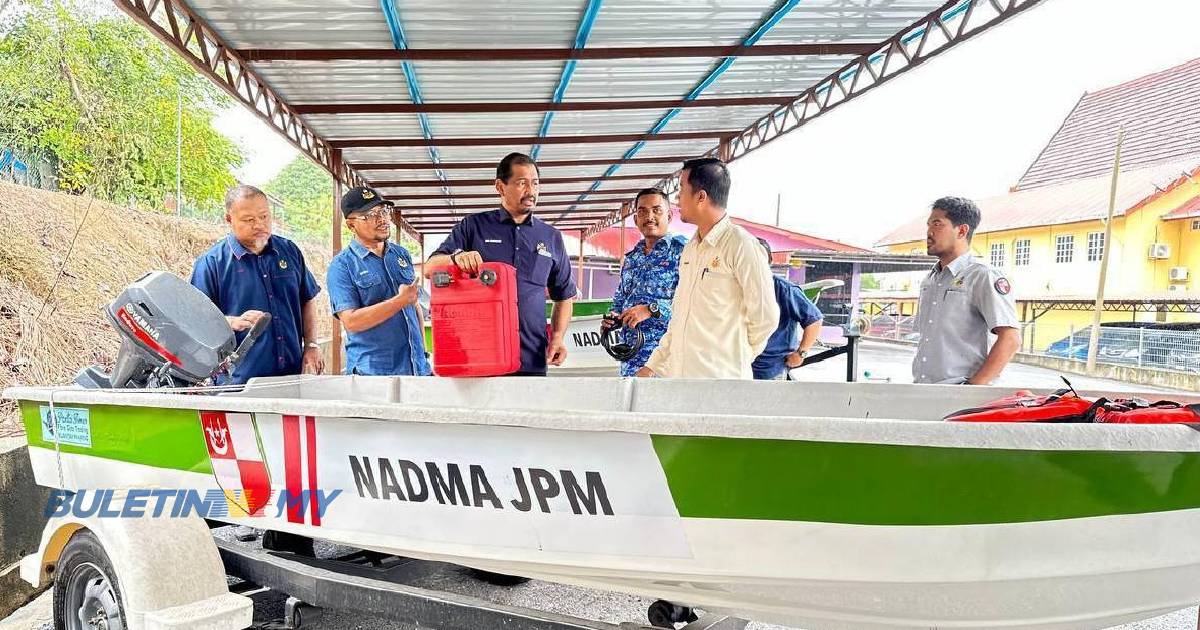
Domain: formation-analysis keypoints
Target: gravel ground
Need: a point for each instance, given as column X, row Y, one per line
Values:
column 881, row 361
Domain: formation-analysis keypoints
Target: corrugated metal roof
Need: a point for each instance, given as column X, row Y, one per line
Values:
column 375, row 79
column 1187, row 210
column 1161, row 116
column 297, row 24
column 1067, row 202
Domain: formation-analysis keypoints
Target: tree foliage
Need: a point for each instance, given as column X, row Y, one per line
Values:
column 97, row 96
column 306, row 191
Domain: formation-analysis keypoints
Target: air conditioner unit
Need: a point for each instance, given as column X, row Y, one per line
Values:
column 1159, row 251
column 1176, row 288
column 1178, row 274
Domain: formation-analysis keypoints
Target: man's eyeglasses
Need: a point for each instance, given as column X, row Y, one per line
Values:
column 374, row 215
column 647, row 212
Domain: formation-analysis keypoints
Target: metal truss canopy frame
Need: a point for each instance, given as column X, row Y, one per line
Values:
column 267, row 55
column 241, row 74
column 1155, row 305
column 907, row 49
column 497, row 107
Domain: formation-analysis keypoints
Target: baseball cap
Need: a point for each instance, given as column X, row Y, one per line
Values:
column 362, row 199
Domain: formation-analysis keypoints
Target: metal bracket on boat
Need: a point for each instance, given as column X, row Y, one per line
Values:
column 717, row 622
column 850, row 350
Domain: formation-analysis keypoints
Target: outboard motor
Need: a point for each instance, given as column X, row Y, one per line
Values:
column 172, row 335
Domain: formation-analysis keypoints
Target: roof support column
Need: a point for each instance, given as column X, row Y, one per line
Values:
column 624, row 213
column 580, row 283
column 335, row 338
column 725, row 151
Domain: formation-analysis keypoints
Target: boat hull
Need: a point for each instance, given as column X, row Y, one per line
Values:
column 818, row 522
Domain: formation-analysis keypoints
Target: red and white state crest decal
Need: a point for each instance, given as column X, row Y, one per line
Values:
column 237, row 461
column 1002, row 286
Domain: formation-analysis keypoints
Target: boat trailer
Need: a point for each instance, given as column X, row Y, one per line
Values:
column 386, row 586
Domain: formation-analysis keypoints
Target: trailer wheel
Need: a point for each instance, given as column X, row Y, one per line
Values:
column 87, row 595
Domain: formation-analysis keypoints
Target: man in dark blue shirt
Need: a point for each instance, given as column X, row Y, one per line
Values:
column 785, row 349
column 373, row 293
column 511, row 234
column 251, row 272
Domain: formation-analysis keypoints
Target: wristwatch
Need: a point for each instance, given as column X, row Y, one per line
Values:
column 654, row 312
column 803, row 355
column 311, row 344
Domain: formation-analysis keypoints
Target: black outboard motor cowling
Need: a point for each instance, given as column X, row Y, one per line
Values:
column 172, row 335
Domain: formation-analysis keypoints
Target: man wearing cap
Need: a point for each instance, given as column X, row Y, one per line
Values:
column 785, row 349
column 252, row 271
column 511, row 234
column 373, row 293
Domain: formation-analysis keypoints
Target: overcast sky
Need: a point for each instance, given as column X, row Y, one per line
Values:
column 968, row 122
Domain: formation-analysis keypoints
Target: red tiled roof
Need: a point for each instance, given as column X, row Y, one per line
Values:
column 1065, row 202
column 781, row 240
column 1161, row 115
column 1189, row 209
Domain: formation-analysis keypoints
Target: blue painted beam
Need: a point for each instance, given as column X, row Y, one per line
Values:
column 581, row 36
column 400, row 42
column 722, row 66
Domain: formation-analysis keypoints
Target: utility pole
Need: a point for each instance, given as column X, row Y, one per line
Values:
column 1094, row 341
column 778, row 204
column 179, row 149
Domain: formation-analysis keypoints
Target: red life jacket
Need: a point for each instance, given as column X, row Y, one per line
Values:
column 1142, row 412
column 1063, row 405
column 1067, row 406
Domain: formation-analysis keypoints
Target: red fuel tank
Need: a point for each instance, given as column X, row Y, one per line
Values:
column 474, row 321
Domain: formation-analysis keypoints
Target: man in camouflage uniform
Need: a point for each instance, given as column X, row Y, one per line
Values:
column 649, row 275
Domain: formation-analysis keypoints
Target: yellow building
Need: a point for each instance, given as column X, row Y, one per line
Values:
column 1048, row 233
column 1049, row 240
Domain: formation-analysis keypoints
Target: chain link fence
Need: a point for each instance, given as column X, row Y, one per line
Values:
column 1160, row 346
column 1153, row 345
column 26, row 170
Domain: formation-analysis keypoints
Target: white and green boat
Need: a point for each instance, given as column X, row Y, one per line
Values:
column 820, row 505
column 824, row 505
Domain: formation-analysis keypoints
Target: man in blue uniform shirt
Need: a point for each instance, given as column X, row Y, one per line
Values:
column 649, row 275
column 373, row 293
column 251, row 272
column 511, row 234
column 785, row 349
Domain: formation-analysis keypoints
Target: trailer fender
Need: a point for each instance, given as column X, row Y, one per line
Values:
column 169, row 570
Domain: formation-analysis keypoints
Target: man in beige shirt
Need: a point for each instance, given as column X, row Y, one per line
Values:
column 724, row 309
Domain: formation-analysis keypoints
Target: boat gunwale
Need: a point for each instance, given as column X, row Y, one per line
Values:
column 849, row 429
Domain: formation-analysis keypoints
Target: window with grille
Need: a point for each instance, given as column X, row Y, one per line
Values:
column 1064, row 248
column 1196, row 224
column 1021, row 252
column 1095, row 246
column 997, row 255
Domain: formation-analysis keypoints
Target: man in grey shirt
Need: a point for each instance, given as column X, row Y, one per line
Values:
column 967, row 316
